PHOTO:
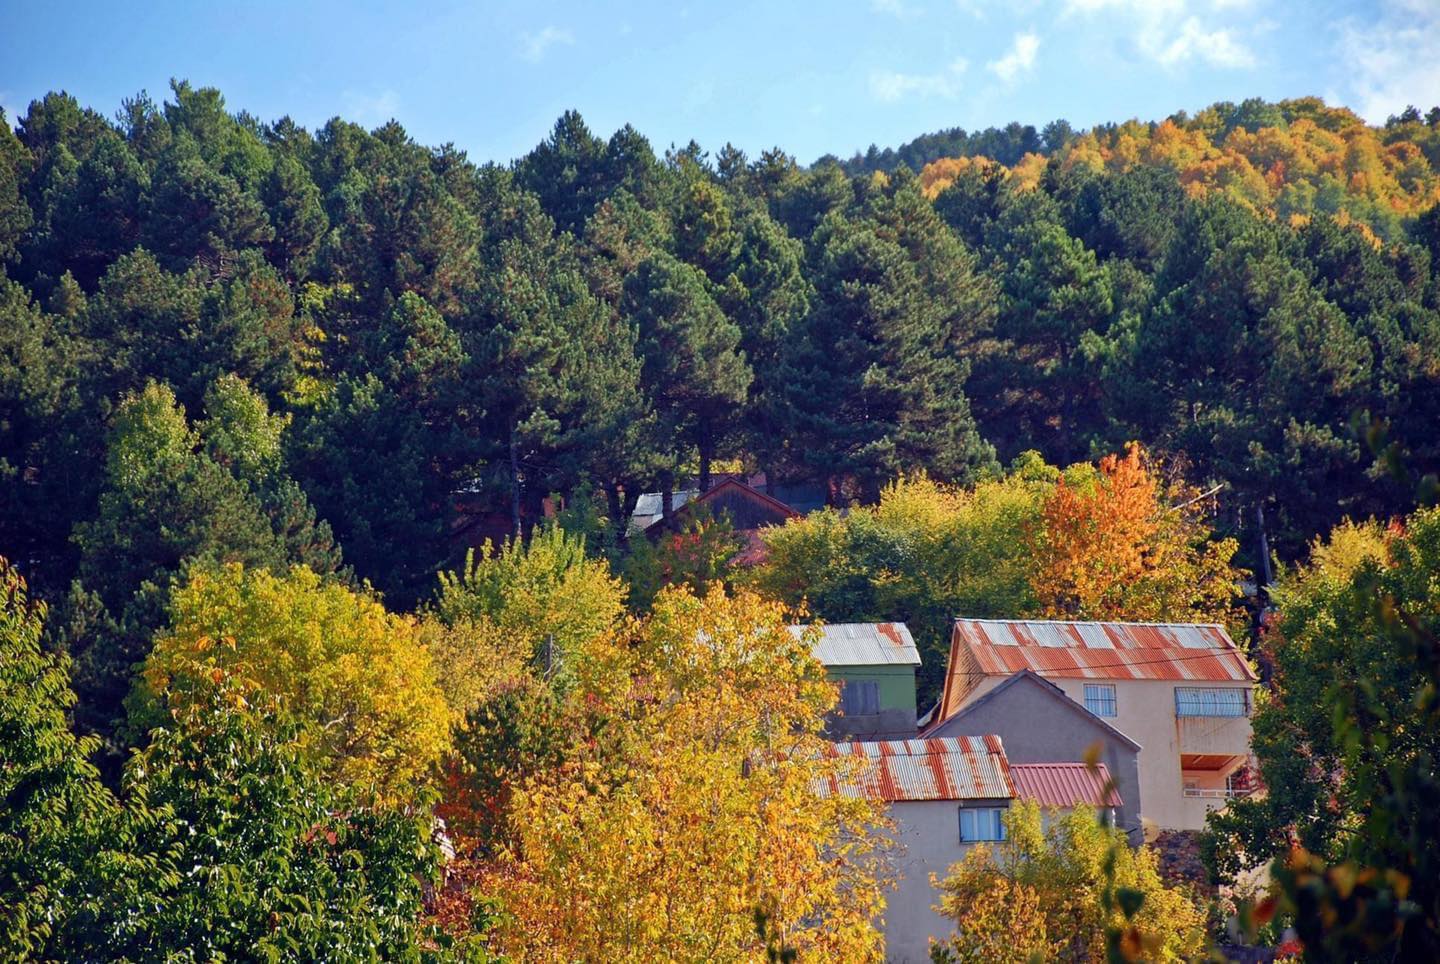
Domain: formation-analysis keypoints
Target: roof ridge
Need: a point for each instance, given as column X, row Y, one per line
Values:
column 1083, row 622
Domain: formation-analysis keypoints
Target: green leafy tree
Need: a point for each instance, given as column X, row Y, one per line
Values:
column 174, row 494
column 54, row 802
column 1348, row 758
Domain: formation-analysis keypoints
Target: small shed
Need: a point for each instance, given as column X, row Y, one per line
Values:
column 875, row 665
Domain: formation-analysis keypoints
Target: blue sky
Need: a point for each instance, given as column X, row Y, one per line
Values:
column 812, row 78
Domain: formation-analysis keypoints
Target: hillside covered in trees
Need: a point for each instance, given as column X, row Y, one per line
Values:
column 231, row 338
column 251, row 374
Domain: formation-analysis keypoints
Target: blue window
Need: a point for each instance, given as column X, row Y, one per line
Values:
column 982, row 823
column 860, row 697
column 1211, row 701
column 1100, row 699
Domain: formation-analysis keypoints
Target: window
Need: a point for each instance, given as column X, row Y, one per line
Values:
column 860, row 697
column 981, row 823
column 1211, row 701
column 1100, row 699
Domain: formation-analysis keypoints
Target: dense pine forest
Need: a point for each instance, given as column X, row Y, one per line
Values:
column 250, row 374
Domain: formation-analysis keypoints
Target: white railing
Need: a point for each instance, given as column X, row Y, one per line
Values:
column 1208, row 794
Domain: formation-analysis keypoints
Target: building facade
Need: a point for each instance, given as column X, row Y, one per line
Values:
column 1039, row 724
column 1183, row 692
column 944, row 796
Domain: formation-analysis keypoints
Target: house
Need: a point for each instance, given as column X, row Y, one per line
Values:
column 1039, row 723
column 798, row 498
column 874, row 663
column 748, row 509
column 1183, row 690
column 945, row 795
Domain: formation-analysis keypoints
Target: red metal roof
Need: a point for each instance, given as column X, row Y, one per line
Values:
column 949, row 768
column 1064, row 784
column 1080, row 650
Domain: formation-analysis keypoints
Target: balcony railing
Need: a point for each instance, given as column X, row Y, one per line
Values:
column 1213, row 794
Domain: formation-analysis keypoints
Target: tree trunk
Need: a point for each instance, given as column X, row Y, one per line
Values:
column 618, row 523
column 667, row 494
column 1265, row 573
column 515, row 483
column 706, row 445
column 1263, row 578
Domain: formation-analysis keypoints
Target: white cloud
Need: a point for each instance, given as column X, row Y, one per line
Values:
column 1217, row 47
column 1175, row 32
column 533, row 46
column 1018, row 60
column 890, row 85
column 1393, row 61
column 370, row 110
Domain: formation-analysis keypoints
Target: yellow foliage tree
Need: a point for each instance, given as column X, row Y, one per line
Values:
column 690, row 807
column 356, row 677
column 544, row 593
column 1306, row 159
column 1043, row 890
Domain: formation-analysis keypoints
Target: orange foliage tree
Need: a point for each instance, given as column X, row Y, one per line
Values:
column 1124, row 544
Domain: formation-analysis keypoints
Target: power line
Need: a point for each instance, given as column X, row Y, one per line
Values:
column 1208, row 654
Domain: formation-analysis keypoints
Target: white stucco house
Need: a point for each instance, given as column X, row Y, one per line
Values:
column 1182, row 692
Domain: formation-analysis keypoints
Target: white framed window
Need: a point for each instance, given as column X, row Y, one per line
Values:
column 860, row 697
column 982, row 823
column 1100, row 699
column 1212, row 701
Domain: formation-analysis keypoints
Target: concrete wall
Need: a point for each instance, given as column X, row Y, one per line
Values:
column 896, row 719
column 1036, row 728
column 929, row 833
column 1145, row 712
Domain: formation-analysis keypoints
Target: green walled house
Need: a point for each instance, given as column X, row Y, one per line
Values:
column 874, row 663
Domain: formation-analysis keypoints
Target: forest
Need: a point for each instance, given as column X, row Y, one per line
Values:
column 250, row 374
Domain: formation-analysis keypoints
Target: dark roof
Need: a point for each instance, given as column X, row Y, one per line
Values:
column 1026, row 675
column 768, row 510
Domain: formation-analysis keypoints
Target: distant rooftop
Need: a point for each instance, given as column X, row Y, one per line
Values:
column 864, row 644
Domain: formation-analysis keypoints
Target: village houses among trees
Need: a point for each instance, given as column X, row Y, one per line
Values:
column 1015, row 545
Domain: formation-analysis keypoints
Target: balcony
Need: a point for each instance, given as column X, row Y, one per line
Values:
column 1214, row 735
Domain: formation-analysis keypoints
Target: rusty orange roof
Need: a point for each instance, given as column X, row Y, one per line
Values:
column 1081, row 650
column 949, row 768
column 1064, row 785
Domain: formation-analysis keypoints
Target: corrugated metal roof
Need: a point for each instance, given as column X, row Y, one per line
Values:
column 1064, row 784
column 1118, row 651
column 864, row 644
column 649, row 506
column 953, row 768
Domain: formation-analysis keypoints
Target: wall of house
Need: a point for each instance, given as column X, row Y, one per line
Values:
column 1145, row 712
column 928, row 832
column 1035, row 728
column 896, row 719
